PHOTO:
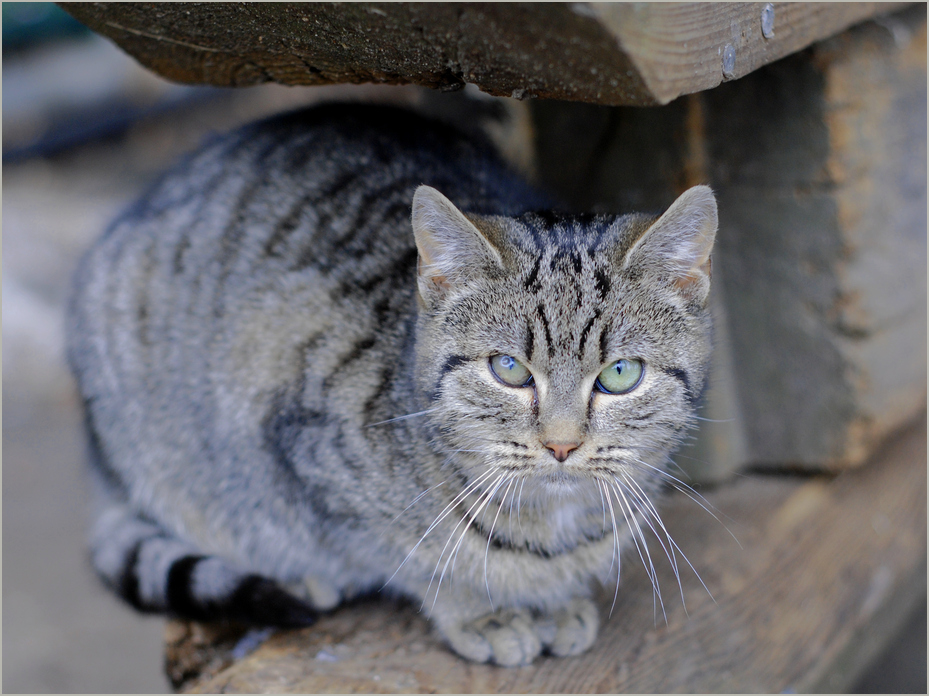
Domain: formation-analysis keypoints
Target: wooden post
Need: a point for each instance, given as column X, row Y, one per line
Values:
column 819, row 161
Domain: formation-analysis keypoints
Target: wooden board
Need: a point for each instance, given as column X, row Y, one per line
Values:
column 825, row 569
column 681, row 47
column 626, row 53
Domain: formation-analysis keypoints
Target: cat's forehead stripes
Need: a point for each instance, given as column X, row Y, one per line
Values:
column 569, row 234
column 566, row 270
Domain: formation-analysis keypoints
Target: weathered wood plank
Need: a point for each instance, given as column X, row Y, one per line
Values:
column 686, row 47
column 819, row 162
column 822, row 563
column 625, row 53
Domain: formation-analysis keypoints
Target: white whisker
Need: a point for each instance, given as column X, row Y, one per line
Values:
column 442, row 515
column 453, row 554
column 674, row 545
column 637, row 536
column 692, row 494
column 490, row 536
column 415, row 500
column 647, row 510
column 400, row 418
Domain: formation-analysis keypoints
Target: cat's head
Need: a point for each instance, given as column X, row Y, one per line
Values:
column 561, row 346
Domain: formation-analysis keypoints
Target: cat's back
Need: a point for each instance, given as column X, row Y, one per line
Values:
column 283, row 245
column 314, row 200
column 319, row 188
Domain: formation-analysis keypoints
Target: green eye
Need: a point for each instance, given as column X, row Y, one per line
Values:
column 621, row 377
column 510, row 371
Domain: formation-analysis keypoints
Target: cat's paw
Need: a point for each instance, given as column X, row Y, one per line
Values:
column 507, row 637
column 576, row 628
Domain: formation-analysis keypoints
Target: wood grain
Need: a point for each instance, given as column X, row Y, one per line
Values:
column 678, row 46
column 821, row 563
column 627, row 53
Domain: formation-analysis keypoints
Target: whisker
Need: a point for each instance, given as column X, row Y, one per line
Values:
column 400, row 418
column 490, row 536
column 617, row 550
column 442, row 515
column 415, row 500
column 647, row 510
column 635, row 489
column 453, row 554
column 675, row 545
column 637, row 536
column 603, row 507
column 693, row 495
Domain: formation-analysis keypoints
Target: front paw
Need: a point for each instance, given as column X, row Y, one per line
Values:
column 576, row 628
column 513, row 637
column 508, row 637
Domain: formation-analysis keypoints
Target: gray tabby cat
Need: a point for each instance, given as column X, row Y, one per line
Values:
column 294, row 397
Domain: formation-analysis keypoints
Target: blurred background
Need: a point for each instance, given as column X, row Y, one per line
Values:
column 85, row 130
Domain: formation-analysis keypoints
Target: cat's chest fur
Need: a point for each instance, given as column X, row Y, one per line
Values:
column 301, row 364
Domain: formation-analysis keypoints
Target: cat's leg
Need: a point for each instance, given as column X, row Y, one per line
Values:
column 513, row 637
column 157, row 572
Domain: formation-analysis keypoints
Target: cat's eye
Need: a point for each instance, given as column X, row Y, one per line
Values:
column 510, row 371
column 620, row 377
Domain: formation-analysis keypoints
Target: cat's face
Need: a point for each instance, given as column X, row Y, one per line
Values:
column 564, row 350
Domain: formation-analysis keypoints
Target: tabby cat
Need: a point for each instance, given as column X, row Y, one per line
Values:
column 295, row 396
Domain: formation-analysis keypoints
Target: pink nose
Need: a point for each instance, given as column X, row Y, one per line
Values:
column 561, row 450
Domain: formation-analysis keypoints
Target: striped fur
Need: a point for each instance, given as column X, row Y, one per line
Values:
column 284, row 413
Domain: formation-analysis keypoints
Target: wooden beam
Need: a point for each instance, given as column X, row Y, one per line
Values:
column 823, row 570
column 626, row 53
column 686, row 47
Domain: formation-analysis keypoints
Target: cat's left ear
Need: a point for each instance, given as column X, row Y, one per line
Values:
column 451, row 249
column 678, row 244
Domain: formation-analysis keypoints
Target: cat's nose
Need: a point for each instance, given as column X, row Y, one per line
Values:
column 561, row 450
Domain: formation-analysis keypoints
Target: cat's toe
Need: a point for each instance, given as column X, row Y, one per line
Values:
column 513, row 638
column 577, row 626
column 508, row 638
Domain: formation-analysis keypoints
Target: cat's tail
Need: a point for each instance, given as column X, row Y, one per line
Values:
column 157, row 572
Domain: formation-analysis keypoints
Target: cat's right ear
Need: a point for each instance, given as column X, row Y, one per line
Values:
column 451, row 248
column 678, row 244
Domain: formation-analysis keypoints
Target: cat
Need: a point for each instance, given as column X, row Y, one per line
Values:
column 346, row 349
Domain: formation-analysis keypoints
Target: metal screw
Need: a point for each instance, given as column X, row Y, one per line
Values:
column 767, row 20
column 728, row 60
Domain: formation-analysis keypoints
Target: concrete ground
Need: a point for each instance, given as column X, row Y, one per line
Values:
column 62, row 632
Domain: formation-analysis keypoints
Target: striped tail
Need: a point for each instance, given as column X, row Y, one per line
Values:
column 156, row 572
